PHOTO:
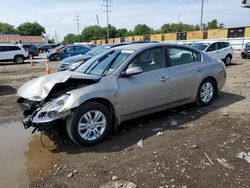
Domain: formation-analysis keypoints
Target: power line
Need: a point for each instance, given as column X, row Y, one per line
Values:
column 107, row 5
column 77, row 21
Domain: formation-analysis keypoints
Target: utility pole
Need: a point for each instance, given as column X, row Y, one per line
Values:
column 107, row 6
column 202, row 8
column 178, row 17
column 77, row 20
column 97, row 19
column 55, row 37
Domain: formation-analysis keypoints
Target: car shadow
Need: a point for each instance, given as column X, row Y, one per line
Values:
column 7, row 90
column 130, row 132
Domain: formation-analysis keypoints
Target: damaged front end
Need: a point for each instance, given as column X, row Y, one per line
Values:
column 40, row 114
column 43, row 99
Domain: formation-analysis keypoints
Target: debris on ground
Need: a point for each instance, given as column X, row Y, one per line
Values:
column 244, row 155
column 70, row 175
column 119, row 184
column 194, row 146
column 115, row 178
column 140, row 143
column 225, row 163
column 225, row 114
column 208, row 158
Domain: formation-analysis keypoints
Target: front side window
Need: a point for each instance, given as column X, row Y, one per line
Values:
column 78, row 47
column 181, row 56
column 149, row 60
column 213, row 47
column 248, row 44
column 200, row 46
column 69, row 49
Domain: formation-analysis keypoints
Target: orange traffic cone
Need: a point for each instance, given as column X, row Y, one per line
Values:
column 47, row 68
column 31, row 61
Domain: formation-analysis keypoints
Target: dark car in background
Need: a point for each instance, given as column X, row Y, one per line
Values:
column 74, row 62
column 45, row 48
column 32, row 49
column 68, row 51
column 246, row 51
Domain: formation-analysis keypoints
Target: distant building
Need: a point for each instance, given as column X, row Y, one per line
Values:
column 10, row 38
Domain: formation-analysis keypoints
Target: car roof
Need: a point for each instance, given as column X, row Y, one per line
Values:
column 141, row 46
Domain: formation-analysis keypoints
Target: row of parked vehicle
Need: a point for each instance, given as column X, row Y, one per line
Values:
column 71, row 57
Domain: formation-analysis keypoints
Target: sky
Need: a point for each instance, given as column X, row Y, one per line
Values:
column 59, row 14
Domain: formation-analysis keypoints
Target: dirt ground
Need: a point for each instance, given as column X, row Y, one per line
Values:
column 198, row 151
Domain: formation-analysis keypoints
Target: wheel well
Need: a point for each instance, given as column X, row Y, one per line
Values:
column 19, row 55
column 215, row 83
column 230, row 55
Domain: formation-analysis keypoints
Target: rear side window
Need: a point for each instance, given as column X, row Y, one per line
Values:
column 13, row 48
column 149, row 60
column 226, row 44
column 78, row 47
column 182, row 56
column 213, row 47
column 8, row 48
column 221, row 45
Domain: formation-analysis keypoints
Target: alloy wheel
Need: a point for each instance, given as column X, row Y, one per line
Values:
column 206, row 92
column 92, row 125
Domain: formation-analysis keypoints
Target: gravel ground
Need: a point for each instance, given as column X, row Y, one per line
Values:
column 183, row 147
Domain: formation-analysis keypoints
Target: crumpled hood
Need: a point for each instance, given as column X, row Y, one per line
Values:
column 39, row 88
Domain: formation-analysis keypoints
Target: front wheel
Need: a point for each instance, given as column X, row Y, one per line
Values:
column 90, row 124
column 206, row 92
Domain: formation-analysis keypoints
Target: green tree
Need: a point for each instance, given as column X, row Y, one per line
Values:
column 112, row 31
column 180, row 27
column 214, row 24
column 142, row 29
column 28, row 28
column 6, row 28
column 70, row 38
column 122, row 32
column 92, row 33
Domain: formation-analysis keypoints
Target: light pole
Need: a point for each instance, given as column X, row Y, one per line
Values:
column 202, row 8
column 107, row 6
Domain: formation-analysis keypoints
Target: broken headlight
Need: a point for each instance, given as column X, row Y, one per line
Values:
column 52, row 110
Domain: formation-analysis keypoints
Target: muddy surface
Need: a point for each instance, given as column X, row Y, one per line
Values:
column 197, row 152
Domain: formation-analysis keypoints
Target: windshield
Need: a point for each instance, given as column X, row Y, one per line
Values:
column 97, row 50
column 248, row 44
column 104, row 65
column 200, row 46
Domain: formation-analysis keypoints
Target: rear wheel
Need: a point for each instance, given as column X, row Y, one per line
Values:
column 228, row 60
column 19, row 59
column 90, row 124
column 206, row 92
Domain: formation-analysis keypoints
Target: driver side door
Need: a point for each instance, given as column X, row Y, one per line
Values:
column 150, row 89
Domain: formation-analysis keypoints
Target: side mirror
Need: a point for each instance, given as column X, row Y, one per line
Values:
column 132, row 71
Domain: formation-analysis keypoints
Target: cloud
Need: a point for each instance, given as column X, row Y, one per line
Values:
column 59, row 14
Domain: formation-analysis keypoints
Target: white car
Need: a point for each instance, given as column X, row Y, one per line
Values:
column 218, row 49
column 11, row 52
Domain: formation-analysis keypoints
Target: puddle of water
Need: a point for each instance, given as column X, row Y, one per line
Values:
column 22, row 157
column 13, row 143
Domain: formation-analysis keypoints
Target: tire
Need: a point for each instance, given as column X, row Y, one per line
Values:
column 19, row 59
column 206, row 99
column 89, row 133
column 228, row 60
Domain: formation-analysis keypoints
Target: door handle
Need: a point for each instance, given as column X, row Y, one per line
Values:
column 164, row 78
column 218, row 52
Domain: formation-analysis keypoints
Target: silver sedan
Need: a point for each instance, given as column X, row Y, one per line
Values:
column 118, row 85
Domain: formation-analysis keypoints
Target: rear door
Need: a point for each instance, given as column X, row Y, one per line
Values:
column 185, row 70
column 223, row 50
column 147, row 90
column 68, row 52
